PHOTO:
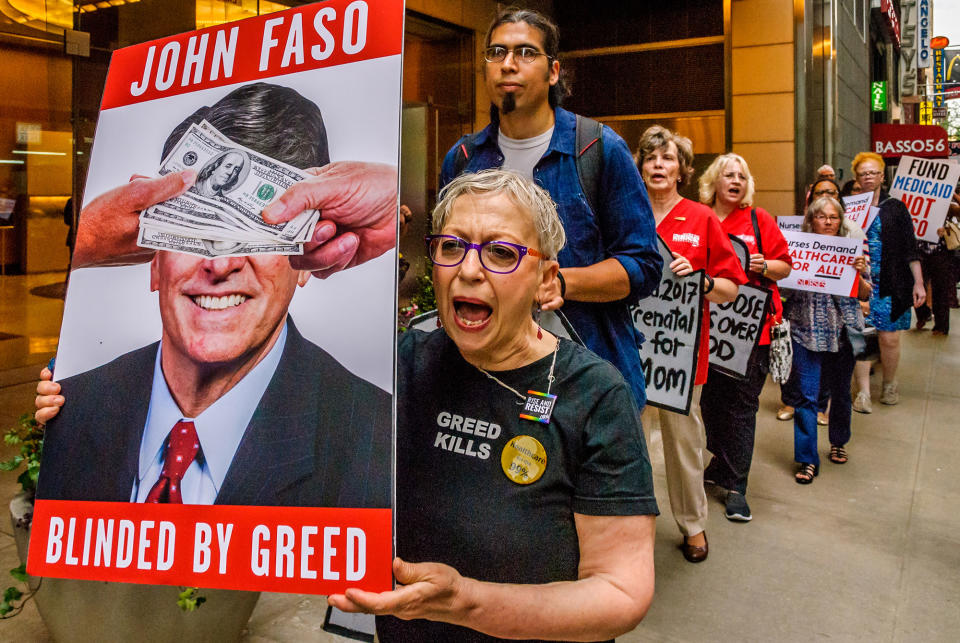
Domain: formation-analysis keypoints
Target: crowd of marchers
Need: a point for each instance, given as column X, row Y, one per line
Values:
column 550, row 536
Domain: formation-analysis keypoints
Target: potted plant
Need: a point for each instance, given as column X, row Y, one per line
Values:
column 79, row 610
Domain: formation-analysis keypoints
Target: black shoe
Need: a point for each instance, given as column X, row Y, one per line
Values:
column 737, row 508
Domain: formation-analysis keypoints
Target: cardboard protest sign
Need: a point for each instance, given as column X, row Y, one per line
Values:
column 926, row 187
column 251, row 446
column 822, row 263
column 735, row 329
column 857, row 209
column 786, row 223
column 670, row 321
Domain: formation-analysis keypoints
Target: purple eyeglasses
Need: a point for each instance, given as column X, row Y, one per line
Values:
column 501, row 257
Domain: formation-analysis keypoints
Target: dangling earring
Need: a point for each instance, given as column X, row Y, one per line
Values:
column 439, row 325
column 537, row 319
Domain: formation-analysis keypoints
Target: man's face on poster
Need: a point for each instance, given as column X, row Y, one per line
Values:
column 229, row 309
column 230, row 166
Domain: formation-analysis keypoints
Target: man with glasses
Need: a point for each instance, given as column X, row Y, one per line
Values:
column 611, row 258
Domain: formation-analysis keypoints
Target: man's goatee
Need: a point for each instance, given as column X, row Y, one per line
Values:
column 509, row 103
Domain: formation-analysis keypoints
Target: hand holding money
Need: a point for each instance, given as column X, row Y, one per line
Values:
column 357, row 202
column 108, row 235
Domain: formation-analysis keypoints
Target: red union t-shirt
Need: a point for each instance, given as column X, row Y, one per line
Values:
column 739, row 224
column 693, row 231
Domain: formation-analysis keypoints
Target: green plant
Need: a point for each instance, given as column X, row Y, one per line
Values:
column 424, row 297
column 29, row 435
column 190, row 599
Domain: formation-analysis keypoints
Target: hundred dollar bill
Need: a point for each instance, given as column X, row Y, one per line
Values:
column 238, row 180
column 209, row 248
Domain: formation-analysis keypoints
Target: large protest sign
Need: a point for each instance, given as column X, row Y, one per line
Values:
column 670, row 321
column 735, row 329
column 822, row 263
column 926, row 187
column 250, row 447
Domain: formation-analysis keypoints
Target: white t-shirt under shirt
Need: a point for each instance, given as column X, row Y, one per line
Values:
column 522, row 154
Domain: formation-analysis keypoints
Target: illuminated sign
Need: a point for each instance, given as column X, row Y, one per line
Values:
column 878, row 94
column 923, row 33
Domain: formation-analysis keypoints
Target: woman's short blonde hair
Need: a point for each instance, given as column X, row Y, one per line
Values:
column 657, row 137
column 816, row 207
column 526, row 194
column 708, row 180
column 864, row 156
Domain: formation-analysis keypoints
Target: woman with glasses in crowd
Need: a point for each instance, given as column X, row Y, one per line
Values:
column 790, row 394
column 729, row 405
column 823, row 359
column 538, row 509
column 897, row 279
column 693, row 233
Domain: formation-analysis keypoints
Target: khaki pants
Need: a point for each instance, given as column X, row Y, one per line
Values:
column 684, row 442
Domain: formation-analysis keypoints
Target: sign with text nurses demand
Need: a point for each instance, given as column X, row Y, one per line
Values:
column 926, row 187
column 822, row 263
column 228, row 417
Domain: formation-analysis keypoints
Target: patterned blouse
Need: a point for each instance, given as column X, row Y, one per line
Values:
column 817, row 319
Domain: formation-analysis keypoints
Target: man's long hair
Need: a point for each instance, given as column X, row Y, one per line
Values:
column 551, row 43
column 273, row 120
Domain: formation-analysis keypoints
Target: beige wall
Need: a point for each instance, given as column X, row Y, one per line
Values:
column 763, row 107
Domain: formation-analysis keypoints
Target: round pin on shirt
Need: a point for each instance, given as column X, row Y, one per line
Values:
column 523, row 459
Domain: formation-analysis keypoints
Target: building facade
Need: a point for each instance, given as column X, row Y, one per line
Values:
column 785, row 83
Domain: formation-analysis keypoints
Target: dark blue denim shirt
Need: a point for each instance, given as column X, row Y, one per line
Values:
column 623, row 229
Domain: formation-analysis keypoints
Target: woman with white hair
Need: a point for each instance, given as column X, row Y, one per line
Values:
column 729, row 405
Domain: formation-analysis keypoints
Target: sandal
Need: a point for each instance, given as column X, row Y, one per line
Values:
column 838, row 455
column 806, row 473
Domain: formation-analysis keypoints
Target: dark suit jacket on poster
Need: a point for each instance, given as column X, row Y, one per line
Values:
column 320, row 437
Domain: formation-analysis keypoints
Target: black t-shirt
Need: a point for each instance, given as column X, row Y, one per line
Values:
column 456, row 504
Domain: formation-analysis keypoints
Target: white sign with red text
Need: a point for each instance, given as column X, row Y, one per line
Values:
column 926, row 187
column 822, row 263
column 857, row 209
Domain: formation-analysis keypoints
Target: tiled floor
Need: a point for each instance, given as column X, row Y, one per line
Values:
column 868, row 552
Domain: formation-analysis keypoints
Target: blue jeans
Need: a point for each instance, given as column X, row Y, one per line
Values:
column 815, row 371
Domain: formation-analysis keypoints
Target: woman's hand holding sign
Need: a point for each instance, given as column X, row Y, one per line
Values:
column 358, row 210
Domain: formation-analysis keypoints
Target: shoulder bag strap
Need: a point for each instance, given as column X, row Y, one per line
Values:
column 589, row 158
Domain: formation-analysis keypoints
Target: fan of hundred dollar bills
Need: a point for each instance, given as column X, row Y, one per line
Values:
column 220, row 215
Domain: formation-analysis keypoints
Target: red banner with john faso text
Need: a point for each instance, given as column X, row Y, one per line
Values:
column 315, row 36
column 299, row 550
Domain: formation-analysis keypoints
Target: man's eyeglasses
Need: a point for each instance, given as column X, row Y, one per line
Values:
column 869, row 173
column 830, row 192
column 525, row 54
column 501, row 257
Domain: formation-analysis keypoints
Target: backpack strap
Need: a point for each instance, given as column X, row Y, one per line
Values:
column 466, row 146
column 589, row 158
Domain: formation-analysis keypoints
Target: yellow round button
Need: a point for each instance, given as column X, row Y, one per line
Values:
column 523, row 459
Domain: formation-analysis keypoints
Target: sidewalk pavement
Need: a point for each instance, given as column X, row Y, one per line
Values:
column 868, row 552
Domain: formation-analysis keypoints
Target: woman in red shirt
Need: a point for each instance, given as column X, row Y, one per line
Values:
column 693, row 234
column 729, row 404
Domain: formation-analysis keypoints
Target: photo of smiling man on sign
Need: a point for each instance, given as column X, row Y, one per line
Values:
column 215, row 362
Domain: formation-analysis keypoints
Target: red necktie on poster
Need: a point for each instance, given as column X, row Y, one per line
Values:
column 182, row 446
